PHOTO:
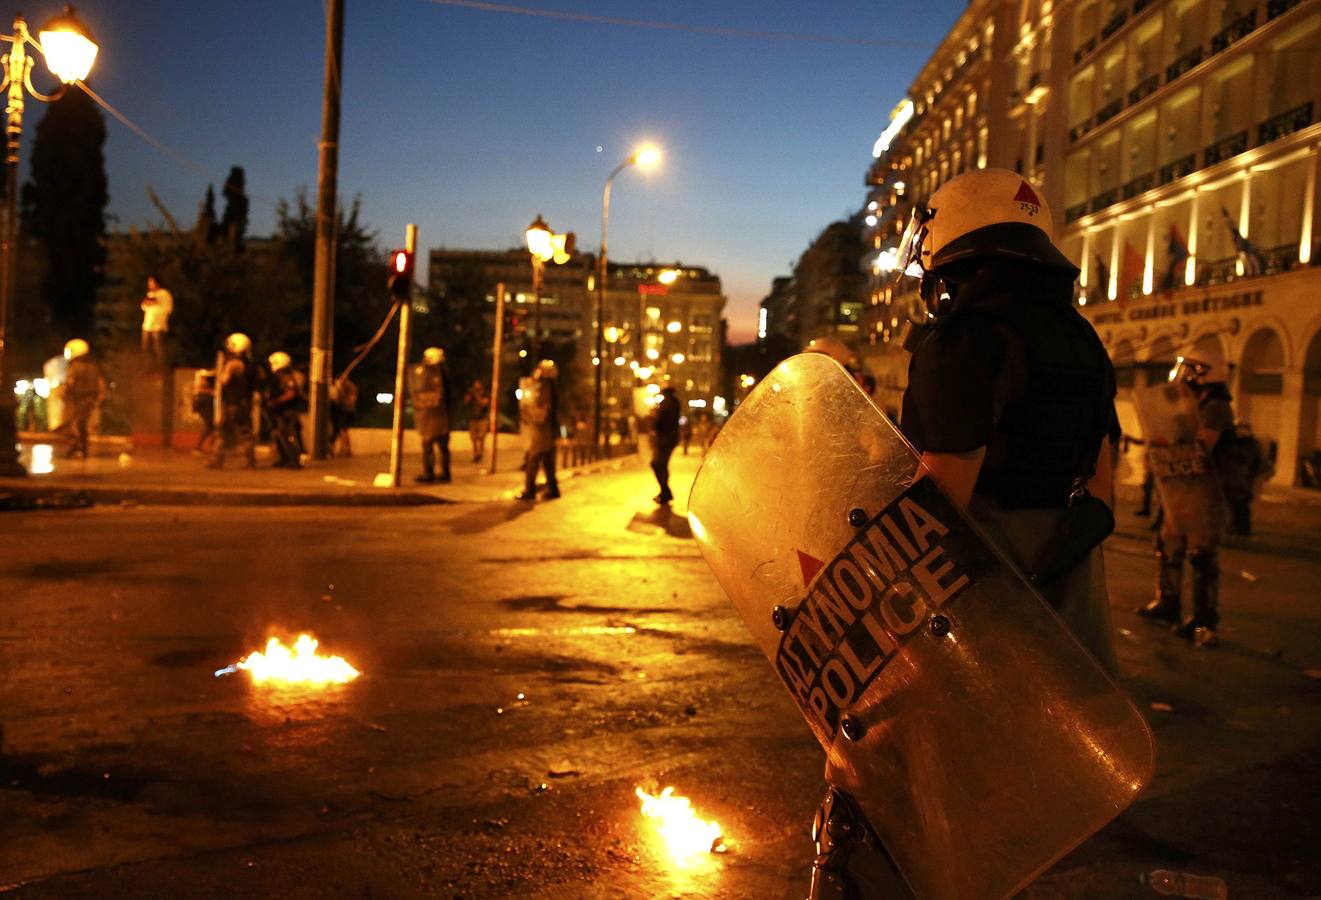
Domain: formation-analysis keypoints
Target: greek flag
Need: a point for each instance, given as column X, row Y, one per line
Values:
column 1254, row 262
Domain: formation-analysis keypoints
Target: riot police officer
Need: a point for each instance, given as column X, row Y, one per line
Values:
column 430, row 387
column 1010, row 394
column 237, row 377
column 1205, row 373
column 84, row 391
column 539, row 423
column 286, row 399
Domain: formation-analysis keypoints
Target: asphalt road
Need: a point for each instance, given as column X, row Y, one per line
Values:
column 525, row 670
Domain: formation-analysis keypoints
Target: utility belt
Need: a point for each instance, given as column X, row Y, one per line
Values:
column 1022, row 491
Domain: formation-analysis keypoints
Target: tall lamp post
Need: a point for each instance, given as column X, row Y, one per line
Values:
column 545, row 246
column 69, row 51
column 645, row 157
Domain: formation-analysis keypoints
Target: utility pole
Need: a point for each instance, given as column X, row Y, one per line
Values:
column 401, row 369
column 538, row 277
column 323, row 270
column 495, row 370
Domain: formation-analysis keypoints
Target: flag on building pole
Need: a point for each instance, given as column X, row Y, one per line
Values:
column 1252, row 259
column 1099, row 290
column 1177, row 249
column 1131, row 271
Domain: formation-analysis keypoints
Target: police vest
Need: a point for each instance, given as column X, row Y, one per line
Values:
column 1049, row 435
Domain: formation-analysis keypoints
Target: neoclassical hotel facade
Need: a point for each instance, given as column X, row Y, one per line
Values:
column 1178, row 143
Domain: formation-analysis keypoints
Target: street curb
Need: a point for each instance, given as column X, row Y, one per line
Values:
column 62, row 496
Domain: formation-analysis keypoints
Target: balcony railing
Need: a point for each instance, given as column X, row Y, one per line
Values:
column 1281, row 258
column 1116, row 22
column 1225, row 148
column 1110, row 110
column 1033, row 80
column 1286, row 122
column 1239, row 28
column 1144, row 182
column 1183, row 64
column 1104, row 199
column 1217, row 271
column 1075, row 212
column 1077, row 131
column 1083, row 49
column 1277, row 8
column 1177, row 169
column 1144, row 87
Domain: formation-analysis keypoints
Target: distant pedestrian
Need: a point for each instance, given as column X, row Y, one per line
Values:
column 343, row 410
column 685, row 432
column 284, row 403
column 157, row 306
column 429, row 386
column 204, row 407
column 666, row 429
column 539, row 423
column 478, row 404
column 238, row 378
column 84, row 391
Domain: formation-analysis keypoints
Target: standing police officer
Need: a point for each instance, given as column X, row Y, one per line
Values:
column 83, row 392
column 1010, row 394
column 430, row 387
column 539, row 422
column 1205, row 372
column 238, row 376
column 286, row 399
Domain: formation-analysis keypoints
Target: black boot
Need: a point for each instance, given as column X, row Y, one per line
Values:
column 1165, row 608
column 1201, row 627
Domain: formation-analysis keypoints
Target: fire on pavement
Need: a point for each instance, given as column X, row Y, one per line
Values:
column 301, row 665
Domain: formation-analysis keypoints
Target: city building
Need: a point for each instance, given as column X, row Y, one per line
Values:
column 679, row 341
column 1177, row 144
column 777, row 314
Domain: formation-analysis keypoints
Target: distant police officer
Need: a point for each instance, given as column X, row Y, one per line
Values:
column 84, row 390
column 1010, row 394
column 666, row 430
column 285, row 400
column 237, row 378
column 539, row 423
column 1205, row 372
column 431, row 413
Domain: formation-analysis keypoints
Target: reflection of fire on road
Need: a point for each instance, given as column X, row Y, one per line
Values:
column 687, row 837
column 301, row 665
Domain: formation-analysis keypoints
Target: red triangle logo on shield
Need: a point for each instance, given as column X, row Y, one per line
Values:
column 809, row 565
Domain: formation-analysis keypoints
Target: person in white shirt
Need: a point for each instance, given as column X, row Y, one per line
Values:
column 156, row 309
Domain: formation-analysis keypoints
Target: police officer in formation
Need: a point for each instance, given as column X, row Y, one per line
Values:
column 430, row 388
column 84, row 389
column 666, row 434
column 1206, row 373
column 1010, row 394
column 237, row 378
column 539, row 422
column 285, row 401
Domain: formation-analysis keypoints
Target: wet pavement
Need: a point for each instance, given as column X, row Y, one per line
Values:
column 525, row 668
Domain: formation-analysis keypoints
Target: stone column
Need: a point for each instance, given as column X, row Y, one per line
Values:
column 1291, row 416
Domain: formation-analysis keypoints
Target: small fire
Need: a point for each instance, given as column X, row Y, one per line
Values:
column 301, row 665
column 686, row 836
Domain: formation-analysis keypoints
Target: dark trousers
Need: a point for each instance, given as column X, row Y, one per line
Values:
column 80, row 426
column 661, row 466
column 544, row 460
column 286, row 432
column 429, row 446
column 236, row 434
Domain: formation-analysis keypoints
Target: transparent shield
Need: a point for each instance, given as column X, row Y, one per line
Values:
column 1189, row 492
column 976, row 734
column 910, row 245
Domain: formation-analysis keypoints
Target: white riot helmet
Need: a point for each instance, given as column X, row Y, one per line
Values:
column 1203, row 364
column 279, row 360
column 985, row 213
column 238, row 343
column 546, row 369
column 836, row 349
column 433, row 356
column 76, row 348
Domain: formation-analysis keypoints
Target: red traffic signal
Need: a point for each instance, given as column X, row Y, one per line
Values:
column 400, row 281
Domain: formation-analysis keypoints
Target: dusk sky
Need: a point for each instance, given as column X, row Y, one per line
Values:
column 469, row 122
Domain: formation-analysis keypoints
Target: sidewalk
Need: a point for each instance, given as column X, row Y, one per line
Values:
column 168, row 478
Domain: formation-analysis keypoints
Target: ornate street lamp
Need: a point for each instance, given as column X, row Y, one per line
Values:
column 69, row 51
column 644, row 157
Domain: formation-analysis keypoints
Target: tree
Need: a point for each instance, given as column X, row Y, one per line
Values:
column 234, row 224
column 64, row 208
column 206, row 228
column 461, row 321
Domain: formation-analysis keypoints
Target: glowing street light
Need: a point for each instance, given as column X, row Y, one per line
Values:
column 69, row 50
column 647, row 156
column 668, row 276
column 545, row 246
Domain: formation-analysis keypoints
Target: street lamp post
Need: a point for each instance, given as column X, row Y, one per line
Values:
column 69, row 51
column 540, row 245
column 646, row 157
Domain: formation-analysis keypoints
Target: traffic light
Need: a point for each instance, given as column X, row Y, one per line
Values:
column 516, row 321
column 400, row 281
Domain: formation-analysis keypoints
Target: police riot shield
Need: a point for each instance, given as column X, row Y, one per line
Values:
column 977, row 736
column 1185, row 476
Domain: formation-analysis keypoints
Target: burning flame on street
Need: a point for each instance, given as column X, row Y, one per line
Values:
column 300, row 665
column 686, row 836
